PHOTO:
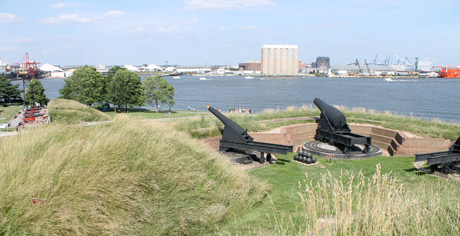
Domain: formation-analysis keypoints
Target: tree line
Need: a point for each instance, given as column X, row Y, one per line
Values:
column 11, row 94
column 119, row 87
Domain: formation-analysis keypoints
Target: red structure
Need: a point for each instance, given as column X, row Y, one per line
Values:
column 29, row 69
column 449, row 72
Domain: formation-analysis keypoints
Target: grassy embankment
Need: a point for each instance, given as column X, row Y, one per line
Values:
column 149, row 178
column 119, row 178
column 208, row 126
column 72, row 112
column 7, row 113
column 140, row 113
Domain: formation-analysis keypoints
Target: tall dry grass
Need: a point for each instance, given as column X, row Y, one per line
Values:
column 72, row 112
column 352, row 204
column 121, row 178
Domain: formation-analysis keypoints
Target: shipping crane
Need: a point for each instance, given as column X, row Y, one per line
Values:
column 28, row 71
column 356, row 63
column 367, row 65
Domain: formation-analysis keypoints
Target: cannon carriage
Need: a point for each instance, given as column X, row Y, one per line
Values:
column 237, row 138
column 443, row 161
column 333, row 129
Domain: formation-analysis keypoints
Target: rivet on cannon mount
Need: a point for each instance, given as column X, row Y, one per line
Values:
column 235, row 137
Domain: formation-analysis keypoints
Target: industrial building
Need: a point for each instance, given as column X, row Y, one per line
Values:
column 280, row 59
column 249, row 66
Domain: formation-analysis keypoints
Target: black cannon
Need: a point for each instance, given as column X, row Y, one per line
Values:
column 443, row 161
column 333, row 129
column 235, row 137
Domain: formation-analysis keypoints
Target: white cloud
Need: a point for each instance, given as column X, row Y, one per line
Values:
column 10, row 48
column 72, row 18
column 223, row 27
column 7, row 18
column 60, row 5
column 253, row 27
column 114, row 13
column 25, row 40
column 227, row 4
column 75, row 18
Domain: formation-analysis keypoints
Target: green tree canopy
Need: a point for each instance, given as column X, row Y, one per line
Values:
column 113, row 71
column 8, row 91
column 35, row 93
column 86, row 85
column 158, row 91
column 125, row 89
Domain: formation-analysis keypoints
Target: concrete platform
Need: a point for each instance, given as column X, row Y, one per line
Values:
column 325, row 150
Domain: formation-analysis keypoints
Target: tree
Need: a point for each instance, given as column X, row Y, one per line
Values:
column 8, row 91
column 113, row 71
column 86, row 85
column 159, row 91
column 35, row 94
column 170, row 96
column 125, row 89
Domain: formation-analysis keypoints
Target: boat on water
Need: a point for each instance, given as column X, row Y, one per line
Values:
column 202, row 78
column 450, row 72
column 176, row 77
column 249, row 77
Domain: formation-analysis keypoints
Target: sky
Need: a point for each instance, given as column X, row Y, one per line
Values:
column 227, row 32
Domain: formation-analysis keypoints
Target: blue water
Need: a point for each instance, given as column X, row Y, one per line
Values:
column 428, row 97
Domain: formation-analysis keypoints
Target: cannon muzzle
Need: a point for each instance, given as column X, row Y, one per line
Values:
column 332, row 115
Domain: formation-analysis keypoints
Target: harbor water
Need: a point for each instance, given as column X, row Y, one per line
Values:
column 430, row 98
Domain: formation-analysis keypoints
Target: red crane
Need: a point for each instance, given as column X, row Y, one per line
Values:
column 29, row 69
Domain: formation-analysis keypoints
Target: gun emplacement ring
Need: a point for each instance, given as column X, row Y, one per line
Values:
column 325, row 150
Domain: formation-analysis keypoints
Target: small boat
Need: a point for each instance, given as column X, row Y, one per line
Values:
column 388, row 79
column 262, row 78
column 202, row 78
column 249, row 77
column 176, row 77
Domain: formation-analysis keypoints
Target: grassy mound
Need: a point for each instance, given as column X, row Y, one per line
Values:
column 72, row 112
column 121, row 178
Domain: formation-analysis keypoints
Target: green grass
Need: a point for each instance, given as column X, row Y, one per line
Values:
column 72, row 112
column 152, row 114
column 118, row 178
column 7, row 113
column 429, row 204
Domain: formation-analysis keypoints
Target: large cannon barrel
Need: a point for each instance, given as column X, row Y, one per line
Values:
column 335, row 117
column 230, row 123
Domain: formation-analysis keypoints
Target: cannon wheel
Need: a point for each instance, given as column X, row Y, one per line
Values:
column 446, row 169
column 346, row 150
column 262, row 158
column 366, row 149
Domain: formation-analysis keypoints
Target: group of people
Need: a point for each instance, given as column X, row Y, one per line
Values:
column 241, row 110
column 190, row 108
